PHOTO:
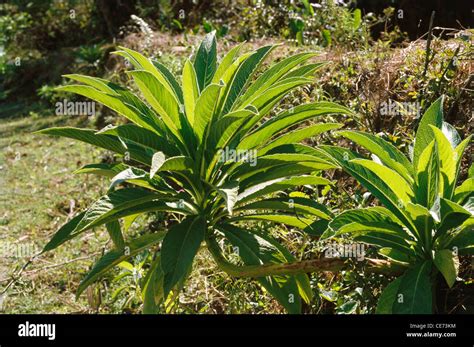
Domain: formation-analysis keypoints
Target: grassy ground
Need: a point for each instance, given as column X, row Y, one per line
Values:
column 39, row 192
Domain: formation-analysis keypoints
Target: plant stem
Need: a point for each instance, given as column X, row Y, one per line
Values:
column 428, row 56
column 298, row 267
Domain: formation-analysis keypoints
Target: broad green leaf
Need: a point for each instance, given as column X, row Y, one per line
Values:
column 178, row 163
column 226, row 62
column 205, row 62
column 153, row 293
column 272, row 75
column 380, row 188
column 383, row 240
column 385, row 151
column 116, row 256
column 114, row 202
column 278, row 185
column 424, row 223
column 463, row 241
column 365, row 227
column 299, row 135
column 452, row 216
column 206, row 106
column 115, row 233
column 428, row 176
column 142, row 63
column 447, row 162
column 123, row 100
column 111, row 143
column 424, row 135
column 414, row 291
column 256, row 164
column 102, row 169
column 398, row 185
column 389, row 297
column 464, row 190
column 361, row 215
column 444, row 261
column 396, row 255
column 287, row 119
column 191, row 90
column 63, row 234
column 116, row 104
column 173, row 83
column 255, row 250
column 305, row 70
column 290, row 204
column 140, row 136
column 107, row 209
column 317, row 228
column 242, row 76
column 101, row 84
column 284, row 170
column 291, row 220
column 229, row 192
column 268, row 99
column 376, row 226
column 156, row 163
column 459, row 151
column 227, row 128
column 160, row 98
column 179, row 248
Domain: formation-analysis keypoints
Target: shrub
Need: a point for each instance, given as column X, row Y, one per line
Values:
column 427, row 219
column 205, row 153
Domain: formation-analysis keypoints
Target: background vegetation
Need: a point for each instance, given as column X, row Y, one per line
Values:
column 375, row 54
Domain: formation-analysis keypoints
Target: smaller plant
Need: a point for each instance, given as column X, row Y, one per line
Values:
column 427, row 219
column 89, row 56
column 221, row 30
column 130, row 280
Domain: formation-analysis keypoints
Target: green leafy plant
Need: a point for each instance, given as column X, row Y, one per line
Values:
column 89, row 56
column 128, row 294
column 205, row 152
column 427, row 219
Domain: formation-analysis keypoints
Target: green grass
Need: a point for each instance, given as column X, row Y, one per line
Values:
column 39, row 192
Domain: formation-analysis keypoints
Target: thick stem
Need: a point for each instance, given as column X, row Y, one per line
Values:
column 298, row 267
